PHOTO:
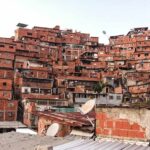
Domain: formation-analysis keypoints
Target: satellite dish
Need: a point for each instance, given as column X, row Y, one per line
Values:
column 53, row 129
column 88, row 106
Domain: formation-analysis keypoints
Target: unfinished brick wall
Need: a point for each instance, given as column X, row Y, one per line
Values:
column 123, row 123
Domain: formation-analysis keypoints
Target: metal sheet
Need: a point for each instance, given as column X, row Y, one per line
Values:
column 72, row 119
column 102, row 145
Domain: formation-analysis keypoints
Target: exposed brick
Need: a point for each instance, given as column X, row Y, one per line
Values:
column 135, row 126
column 101, row 116
column 101, row 123
column 115, row 132
column 109, row 124
column 104, row 116
column 120, row 128
column 126, row 125
column 132, row 134
column 118, row 124
column 106, row 132
column 98, row 116
column 140, row 135
column 123, row 133
column 98, row 131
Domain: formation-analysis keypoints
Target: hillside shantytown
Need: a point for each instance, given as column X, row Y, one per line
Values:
column 47, row 73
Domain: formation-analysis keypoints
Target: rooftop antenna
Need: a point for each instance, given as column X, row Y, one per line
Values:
column 21, row 25
column 88, row 107
column 53, row 129
column 105, row 33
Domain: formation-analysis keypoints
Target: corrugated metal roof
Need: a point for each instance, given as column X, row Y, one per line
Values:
column 18, row 141
column 99, row 145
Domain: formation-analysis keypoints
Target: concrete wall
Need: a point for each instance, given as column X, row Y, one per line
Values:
column 124, row 123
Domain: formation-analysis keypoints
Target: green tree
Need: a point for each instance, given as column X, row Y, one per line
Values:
column 98, row 87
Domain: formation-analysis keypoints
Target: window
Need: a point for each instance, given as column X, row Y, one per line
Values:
column 34, row 90
column 29, row 34
column 10, row 114
column 146, row 54
column 127, row 99
column 111, row 97
column 11, row 47
column 139, row 55
column 42, row 37
column 42, row 102
column 26, row 91
column 77, row 95
column 4, row 83
column 48, row 91
column 53, row 103
column 107, row 90
column 118, row 97
column 1, row 45
column 10, row 105
column 42, row 91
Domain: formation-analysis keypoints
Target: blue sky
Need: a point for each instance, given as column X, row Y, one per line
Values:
column 90, row 16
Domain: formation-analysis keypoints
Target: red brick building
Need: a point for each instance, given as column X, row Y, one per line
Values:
column 51, row 67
